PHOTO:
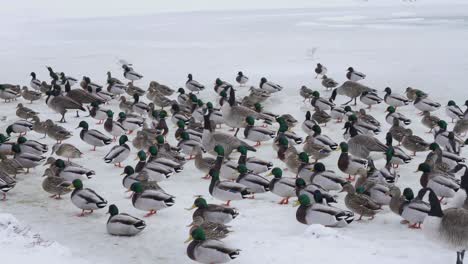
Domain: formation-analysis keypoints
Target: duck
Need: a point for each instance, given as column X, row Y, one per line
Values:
column 412, row 209
column 328, row 82
column 25, row 159
column 306, row 93
column 70, row 171
column 6, row 183
column 445, row 226
column 128, row 123
column 308, row 189
column 226, row 190
column 212, row 230
column 411, row 93
column 121, row 224
column 397, row 131
column 32, row 146
column 443, row 160
column 21, row 126
column 308, row 124
column 7, row 94
column 57, row 132
column 162, row 125
column 429, row 121
column 414, row 143
column 64, row 79
column 367, row 118
column 360, row 203
column 321, row 139
column 5, row 145
column 370, row 99
column 241, row 79
column 66, row 150
column 425, row 104
column 377, row 189
column 114, row 128
column 284, row 187
column 61, row 104
column 453, row 111
column 86, row 199
column 87, row 95
column 354, row 76
column 443, row 184
column 39, row 126
column 398, row 156
column 193, row 85
column 97, row 112
column 338, row 113
column 349, row 164
column 254, row 182
column 394, row 99
column 320, row 70
column 171, row 164
column 119, row 153
column 155, row 171
column 447, row 139
column 253, row 164
column 161, row 88
column 139, row 107
column 188, row 145
column 92, row 136
column 182, row 98
column 208, row 251
column 178, row 115
column 132, row 90
column 55, row 185
column 214, row 213
column 150, row 200
column 320, row 212
column 130, row 74
column 30, row 95
column 269, row 86
column 193, row 133
column 321, row 117
column 35, row 83
column 316, row 150
column 24, row 112
column 328, row 180
column 461, row 127
column 320, row 103
column 256, row 95
column 403, row 120
column 352, row 90
column 256, row 133
column 289, row 155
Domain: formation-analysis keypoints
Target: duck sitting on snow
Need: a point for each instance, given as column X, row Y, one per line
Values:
column 121, row 224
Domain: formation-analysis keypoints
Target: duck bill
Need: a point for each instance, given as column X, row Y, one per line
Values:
column 188, row 239
column 71, row 187
column 296, row 203
column 191, row 208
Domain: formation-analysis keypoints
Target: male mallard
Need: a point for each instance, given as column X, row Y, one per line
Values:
column 212, row 212
column 394, row 154
column 453, row 111
column 182, row 98
column 212, row 230
column 447, row 140
column 349, row 164
column 321, row 139
column 35, row 83
column 156, row 172
column 403, row 120
column 326, row 179
column 443, row 160
column 162, row 125
column 92, row 136
column 394, row 99
column 320, row 212
column 193, row 133
column 85, row 198
column 321, row 103
column 118, row 153
column 338, row 113
column 209, row 251
column 150, row 200
column 32, row 146
column 226, row 190
column 188, row 145
column 370, row 99
column 282, row 186
column 315, row 149
column 253, row 164
column 425, row 104
column 308, row 189
column 123, row 224
column 256, row 133
column 66, row 150
column 6, row 183
column 97, row 112
column 193, row 85
column 412, row 209
column 414, row 143
column 320, row 70
column 288, row 154
column 130, row 74
column 377, row 189
column 7, row 94
column 25, row 159
column 328, row 83
column 429, row 121
column 443, row 184
column 360, row 203
column 116, row 129
column 269, row 86
column 21, row 126
column 354, row 75
column 241, row 79
column 69, row 172
column 254, row 182
column 308, row 124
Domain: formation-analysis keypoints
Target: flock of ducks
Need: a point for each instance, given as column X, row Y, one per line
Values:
column 142, row 126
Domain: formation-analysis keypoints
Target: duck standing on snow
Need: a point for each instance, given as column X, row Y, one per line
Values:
column 55, row 185
column 412, row 209
column 453, row 111
column 118, row 153
column 414, row 143
column 92, row 136
column 35, row 83
column 97, row 112
column 256, row 133
column 116, row 129
column 349, row 164
column 425, row 104
column 394, row 99
column 32, row 146
column 328, row 83
column 429, row 121
column 269, row 86
column 321, row 103
column 66, row 150
column 25, row 159
column 130, row 74
column 370, row 99
column 226, row 190
column 354, row 76
column 241, row 79
column 443, row 184
column 282, row 186
column 193, row 85
column 360, row 203
column 320, row 70
column 30, row 95
column 254, row 182
column 85, row 198
column 121, row 224
column 392, row 114
column 150, row 200
column 6, row 183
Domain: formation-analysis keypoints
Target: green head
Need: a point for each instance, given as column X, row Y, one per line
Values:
column 281, row 120
column 21, row 140
column 360, row 190
column 303, row 157
column 319, row 167
column 16, row 148
column 283, row 141
column 160, row 139
column 223, row 94
column 83, row 124
column 466, row 141
column 180, row 124
column 424, row 167
column 185, row 136
column 408, row 194
column 3, row 139
column 198, row 234
column 250, row 120
column 199, row 102
column 389, row 154
column 348, row 108
column 122, row 115
column 128, row 170
column 95, row 104
column 136, row 187
column 300, row 182
column 214, row 175
column 200, row 202
column 110, row 114
column 113, row 210
column 277, row 172
column 193, row 98
column 352, row 118
column 9, row 130
column 153, row 150
column 391, row 109
column 344, row 147
column 242, row 169
column 258, row 107
column 155, row 114
column 163, row 114
column 141, row 155
column 60, row 163
column 219, row 150
column 419, row 94
column 242, row 150
column 283, row 128
column 317, row 129
column 451, row 103
column 123, row 139
column 304, row 200
column 434, row 146
column 78, row 184
column 209, row 105
column 316, row 94
column 442, row 124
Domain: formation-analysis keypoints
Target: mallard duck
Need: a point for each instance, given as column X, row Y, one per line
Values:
column 171, row 164
column 61, row 104
column 412, row 209
column 21, row 126
column 321, row 117
column 156, row 171
column 254, row 182
column 226, row 190
column 354, row 76
column 97, row 112
column 129, row 123
column 55, row 185
column 349, row 164
column 447, row 140
column 397, row 131
column 255, row 96
column 10, row 166
column 162, row 125
column 425, row 104
column 118, row 153
column 328, row 83
column 397, row 155
column 350, row 89
column 289, row 155
column 443, row 184
column 460, row 200
column 308, row 189
column 6, row 183
column 253, row 164
column 130, row 74
column 115, row 88
column 378, row 190
column 394, row 99
column 284, row 131
column 370, row 99
column 414, row 143
column 269, row 86
column 92, row 136
column 360, row 203
column 403, row 120
column 130, row 177
column 71, row 171
column 256, row 133
column 86, row 199
column 208, row 251
column 121, row 224
column 112, row 80
column 453, row 111
column 150, row 200
column 193, row 85
column 161, row 88
column 139, row 107
column 461, row 127
column 212, row 230
column 338, row 113
column 447, row 227
column 320, row 212
column 194, row 134
column 321, row 103
column 132, row 90
column 25, row 159
column 114, row 128
column 187, row 145
column 66, row 150
column 323, row 139
column 284, row 187
column 443, row 160
column 326, row 179
column 39, row 126
column 306, row 93
column 212, row 212
column 32, row 146
column 411, row 93
column 315, row 149
column 320, row 70
column 30, row 96
column 429, row 120
column 308, row 124
column 367, row 118
column 356, row 126
column 182, row 98
column 35, row 83
column 64, row 79
column 57, row 132
column 7, row 94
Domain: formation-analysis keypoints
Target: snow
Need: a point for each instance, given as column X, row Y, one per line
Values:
column 420, row 44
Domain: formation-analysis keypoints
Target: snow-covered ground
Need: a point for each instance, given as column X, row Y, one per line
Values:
column 405, row 44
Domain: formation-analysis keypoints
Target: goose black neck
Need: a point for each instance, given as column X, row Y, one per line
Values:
column 436, row 209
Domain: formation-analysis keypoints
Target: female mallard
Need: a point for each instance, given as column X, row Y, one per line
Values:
column 212, row 212
column 268, row 86
column 188, row 146
column 306, row 93
column 57, row 132
column 326, row 179
column 130, row 74
column 412, row 209
column 204, row 164
column 367, row 118
column 321, row 103
column 6, row 183
column 7, row 94
column 308, row 189
column 129, row 123
column 354, row 75
column 209, row 251
column 320, row 212
column 256, row 133
column 85, row 198
column 24, row 112
column 429, row 121
column 403, row 120
column 288, row 154
column 25, row 159
column 161, row 88
column 425, row 104
column 150, row 200
column 66, row 150
column 92, row 136
column 212, row 230
column 21, row 126
column 119, row 153
column 414, row 143
column 349, row 164
column 39, row 126
column 254, row 182
column 193, row 85
column 370, row 99
column 443, row 184
column 328, row 83
column 378, row 190
column 453, row 111
column 316, row 150
column 397, row 131
column 55, row 185
column 114, row 128
column 442, row 160
column 321, row 117
column 121, row 224
column 394, row 99
column 132, row 90
column 411, row 93
column 360, row 203
column 282, row 186
column 226, row 190
column 32, row 146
